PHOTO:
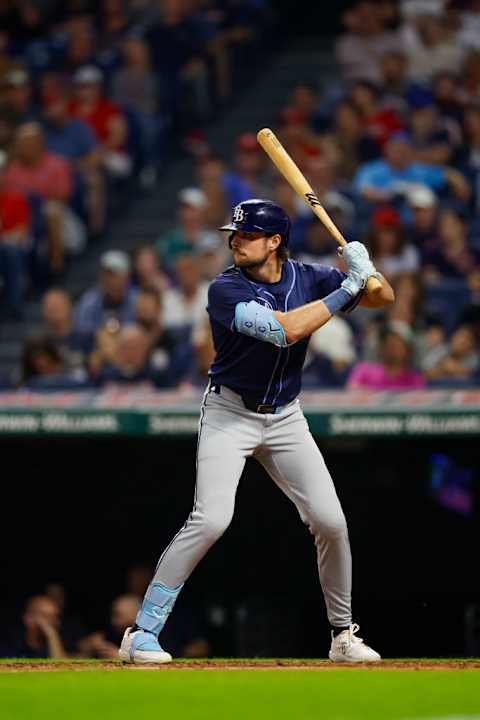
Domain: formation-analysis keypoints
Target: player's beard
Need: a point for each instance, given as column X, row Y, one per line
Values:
column 248, row 264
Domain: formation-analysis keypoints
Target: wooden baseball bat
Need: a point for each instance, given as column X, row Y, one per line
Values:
column 292, row 174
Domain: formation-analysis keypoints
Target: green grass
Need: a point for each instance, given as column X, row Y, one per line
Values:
column 238, row 695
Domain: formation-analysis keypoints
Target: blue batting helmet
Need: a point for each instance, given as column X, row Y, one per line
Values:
column 260, row 216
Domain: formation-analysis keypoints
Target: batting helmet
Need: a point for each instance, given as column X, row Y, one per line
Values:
column 260, row 216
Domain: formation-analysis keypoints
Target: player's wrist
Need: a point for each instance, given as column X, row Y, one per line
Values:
column 337, row 299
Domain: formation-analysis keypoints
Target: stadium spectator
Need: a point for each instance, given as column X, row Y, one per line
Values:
column 453, row 258
column 169, row 355
column 468, row 155
column 391, row 254
column 190, row 228
column 360, row 50
column 15, row 225
column 105, row 643
column 105, row 118
column 134, row 88
column 394, row 83
column 394, row 371
column 352, row 143
column 209, row 172
column 246, row 179
column 378, row 121
column 212, row 255
column 38, row 635
column 432, row 138
column 184, row 307
column 35, row 171
column 57, row 315
column 396, row 173
column 178, row 57
column 43, row 367
column 423, row 230
column 459, row 361
column 18, row 96
column 435, row 52
column 74, row 140
column 147, row 272
column 111, row 300
column 331, row 354
column 132, row 363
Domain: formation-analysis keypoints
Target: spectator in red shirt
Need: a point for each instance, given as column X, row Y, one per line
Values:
column 105, row 119
column 14, row 231
column 381, row 123
column 34, row 171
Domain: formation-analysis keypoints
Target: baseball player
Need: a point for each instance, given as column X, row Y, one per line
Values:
column 263, row 310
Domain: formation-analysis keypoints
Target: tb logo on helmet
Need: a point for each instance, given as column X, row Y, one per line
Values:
column 238, row 214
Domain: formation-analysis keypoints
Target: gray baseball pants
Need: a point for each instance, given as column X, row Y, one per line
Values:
column 282, row 443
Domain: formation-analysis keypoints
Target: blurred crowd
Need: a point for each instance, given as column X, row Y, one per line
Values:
column 391, row 145
column 47, row 628
column 92, row 95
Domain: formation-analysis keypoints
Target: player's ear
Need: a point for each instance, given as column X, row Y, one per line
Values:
column 275, row 241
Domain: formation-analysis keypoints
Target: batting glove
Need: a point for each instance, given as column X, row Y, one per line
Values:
column 360, row 267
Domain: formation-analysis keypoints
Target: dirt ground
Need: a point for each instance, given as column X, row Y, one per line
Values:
column 319, row 665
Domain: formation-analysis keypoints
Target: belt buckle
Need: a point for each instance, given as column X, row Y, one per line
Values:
column 264, row 409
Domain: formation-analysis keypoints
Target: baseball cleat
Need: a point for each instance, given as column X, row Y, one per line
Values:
column 142, row 646
column 348, row 648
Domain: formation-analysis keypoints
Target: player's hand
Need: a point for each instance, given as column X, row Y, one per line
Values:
column 360, row 267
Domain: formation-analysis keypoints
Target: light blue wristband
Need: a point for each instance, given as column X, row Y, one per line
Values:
column 337, row 300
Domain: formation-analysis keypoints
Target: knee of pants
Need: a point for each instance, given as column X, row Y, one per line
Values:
column 328, row 527
column 213, row 522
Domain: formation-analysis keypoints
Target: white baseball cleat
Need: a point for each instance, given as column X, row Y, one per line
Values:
column 348, row 648
column 142, row 647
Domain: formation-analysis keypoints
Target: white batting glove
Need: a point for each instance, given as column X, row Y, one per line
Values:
column 360, row 267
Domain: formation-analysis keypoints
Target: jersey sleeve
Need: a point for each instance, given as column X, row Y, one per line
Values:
column 223, row 297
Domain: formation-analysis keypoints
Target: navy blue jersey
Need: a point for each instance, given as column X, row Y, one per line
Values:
column 254, row 368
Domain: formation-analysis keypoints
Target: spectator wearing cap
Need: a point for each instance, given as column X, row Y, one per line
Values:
column 35, row 171
column 360, row 49
column 394, row 370
column 423, row 229
column 245, row 181
column 190, row 228
column 15, row 222
column 18, row 96
column 105, row 118
column 74, row 140
column 388, row 246
column 57, row 316
column 378, row 121
column 393, row 175
column 112, row 299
